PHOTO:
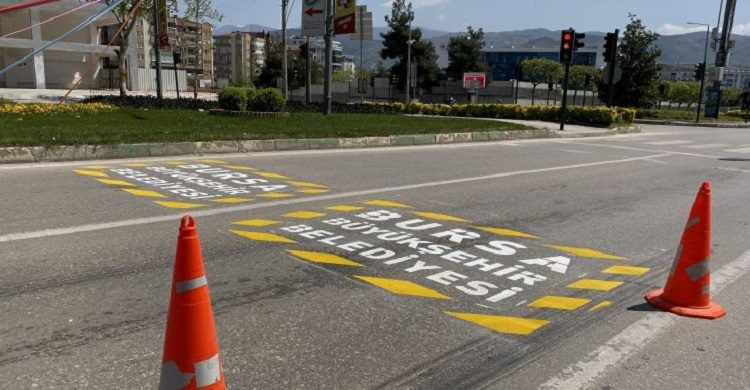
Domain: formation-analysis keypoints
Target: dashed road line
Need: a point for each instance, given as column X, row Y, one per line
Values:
column 634, row 338
column 740, row 150
column 706, row 146
column 665, row 143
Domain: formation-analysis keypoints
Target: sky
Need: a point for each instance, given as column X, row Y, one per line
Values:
column 664, row 16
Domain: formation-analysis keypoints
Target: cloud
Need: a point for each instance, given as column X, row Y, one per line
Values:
column 419, row 3
column 674, row 29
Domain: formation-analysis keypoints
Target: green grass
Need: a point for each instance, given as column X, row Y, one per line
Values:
column 129, row 126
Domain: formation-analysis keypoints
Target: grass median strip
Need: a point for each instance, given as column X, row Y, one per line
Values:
column 132, row 126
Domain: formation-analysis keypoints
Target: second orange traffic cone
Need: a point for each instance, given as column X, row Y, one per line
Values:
column 191, row 350
column 688, row 289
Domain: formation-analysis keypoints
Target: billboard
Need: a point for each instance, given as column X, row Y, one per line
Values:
column 344, row 21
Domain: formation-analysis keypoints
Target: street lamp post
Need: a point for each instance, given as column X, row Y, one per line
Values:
column 705, row 69
column 408, row 66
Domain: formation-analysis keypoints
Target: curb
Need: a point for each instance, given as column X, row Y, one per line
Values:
column 722, row 125
column 10, row 155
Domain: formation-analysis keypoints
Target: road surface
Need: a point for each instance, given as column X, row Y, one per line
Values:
column 497, row 265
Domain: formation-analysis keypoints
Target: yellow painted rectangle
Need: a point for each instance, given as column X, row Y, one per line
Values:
column 261, row 236
column 304, row 214
column 601, row 305
column 136, row 165
column 146, row 193
column 506, row 232
column 403, row 287
column 595, row 284
column 256, row 222
column 503, row 324
column 96, row 167
column 439, row 217
column 386, row 203
column 325, row 258
column 344, row 207
column 212, row 161
column 271, row 175
column 90, row 173
column 274, row 195
column 305, row 184
column 116, row 182
column 240, row 167
column 179, row 205
column 175, row 162
column 560, row 303
column 586, row 252
column 231, row 200
column 626, row 270
column 313, row 191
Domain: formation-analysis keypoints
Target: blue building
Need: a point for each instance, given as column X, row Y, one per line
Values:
column 503, row 62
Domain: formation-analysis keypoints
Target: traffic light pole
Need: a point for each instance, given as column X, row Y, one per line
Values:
column 563, row 109
column 329, row 58
column 157, row 51
column 703, row 75
column 308, row 72
column 611, row 75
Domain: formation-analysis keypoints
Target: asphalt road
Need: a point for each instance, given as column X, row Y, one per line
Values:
column 500, row 265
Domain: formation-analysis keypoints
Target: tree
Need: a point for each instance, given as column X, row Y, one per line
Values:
column 684, row 92
column 540, row 70
column 343, row 76
column 465, row 54
column 637, row 56
column 395, row 47
column 200, row 11
column 582, row 77
column 127, row 15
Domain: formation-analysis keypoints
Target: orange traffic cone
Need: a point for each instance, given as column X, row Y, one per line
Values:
column 688, row 289
column 191, row 349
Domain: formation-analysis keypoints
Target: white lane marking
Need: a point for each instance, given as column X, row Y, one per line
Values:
column 651, row 160
column 575, row 151
column 634, row 338
column 730, row 169
column 668, row 152
column 706, row 146
column 663, row 143
column 234, row 209
column 741, row 150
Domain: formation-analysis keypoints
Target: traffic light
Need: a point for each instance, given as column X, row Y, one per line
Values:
column 700, row 70
column 610, row 47
column 177, row 58
column 567, row 46
column 579, row 44
column 303, row 50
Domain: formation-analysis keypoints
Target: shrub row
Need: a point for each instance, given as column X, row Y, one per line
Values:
column 601, row 116
column 37, row 109
column 151, row 102
column 251, row 99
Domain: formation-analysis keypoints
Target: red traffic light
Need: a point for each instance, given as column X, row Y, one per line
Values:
column 567, row 36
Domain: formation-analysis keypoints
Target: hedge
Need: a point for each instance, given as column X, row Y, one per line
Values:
column 44, row 109
column 233, row 98
column 152, row 102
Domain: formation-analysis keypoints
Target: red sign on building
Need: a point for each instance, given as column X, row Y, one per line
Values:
column 475, row 80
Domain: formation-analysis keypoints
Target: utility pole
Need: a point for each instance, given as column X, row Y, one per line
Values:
column 722, row 51
column 284, row 59
column 157, row 51
column 408, row 66
column 329, row 58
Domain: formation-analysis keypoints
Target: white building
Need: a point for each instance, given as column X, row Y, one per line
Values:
column 64, row 63
column 82, row 60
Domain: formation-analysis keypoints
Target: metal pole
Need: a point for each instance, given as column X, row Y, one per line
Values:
column 176, row 80
column 564, row 97
column 361, row 54
column 408, row 67
column 612, row 65
column 703, row 76
column 157, row 51
column 284, row 57
column 329, row 58
column 308, row 73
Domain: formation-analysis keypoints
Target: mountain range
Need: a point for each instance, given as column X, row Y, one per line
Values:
column 676, row 49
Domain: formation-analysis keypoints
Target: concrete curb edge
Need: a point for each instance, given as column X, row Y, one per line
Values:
column 10, row 155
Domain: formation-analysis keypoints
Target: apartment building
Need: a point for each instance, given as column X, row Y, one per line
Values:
column 239, row 56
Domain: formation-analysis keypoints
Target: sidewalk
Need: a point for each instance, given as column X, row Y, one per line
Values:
column 722, row 125
column 54, row 95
